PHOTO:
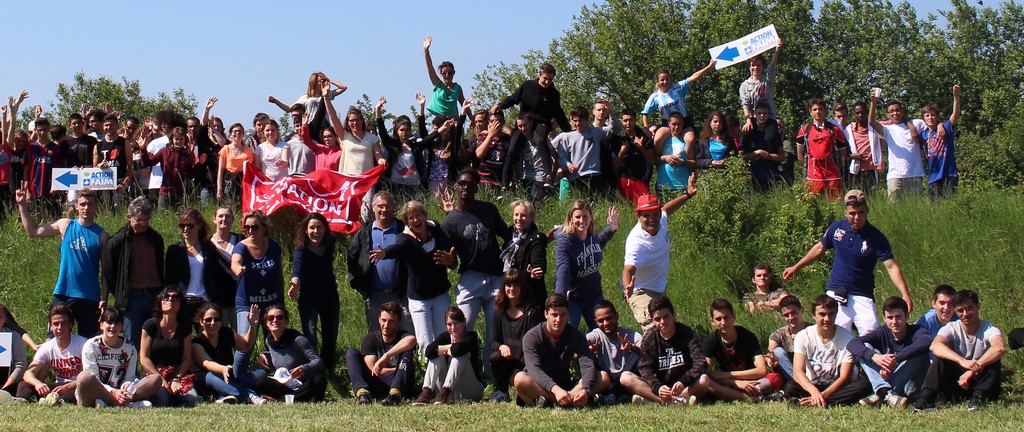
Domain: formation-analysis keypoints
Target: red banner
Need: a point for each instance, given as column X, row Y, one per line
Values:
column 336, row 196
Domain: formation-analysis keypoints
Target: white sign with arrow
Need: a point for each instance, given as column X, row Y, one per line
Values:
column 745, row 47
column 6, row 341
column 78, row 178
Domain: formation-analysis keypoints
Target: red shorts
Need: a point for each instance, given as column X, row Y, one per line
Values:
column 834, row 188
column 633, row 189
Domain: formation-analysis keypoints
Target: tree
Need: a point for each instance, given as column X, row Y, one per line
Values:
column 124, row 96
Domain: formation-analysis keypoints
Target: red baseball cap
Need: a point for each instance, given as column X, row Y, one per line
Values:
column 647, row 202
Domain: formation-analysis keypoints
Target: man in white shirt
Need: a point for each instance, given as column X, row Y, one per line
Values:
column 63, row 354
column 903, row 136
column 647, row 252
column 824, row 371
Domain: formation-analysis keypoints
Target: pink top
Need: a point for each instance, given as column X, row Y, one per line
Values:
column 327, row 158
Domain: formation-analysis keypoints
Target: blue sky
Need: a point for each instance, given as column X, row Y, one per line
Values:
column 243, row 52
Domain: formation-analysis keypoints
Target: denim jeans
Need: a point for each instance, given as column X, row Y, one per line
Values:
column 329, row 313
column 584, row 308
column 212, row 384
column 137, row 309
column 241, row 365
column 477, row 291
column 785, row 363
column 905, row 380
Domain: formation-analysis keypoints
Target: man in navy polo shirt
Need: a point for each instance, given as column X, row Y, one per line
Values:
column 858, row 247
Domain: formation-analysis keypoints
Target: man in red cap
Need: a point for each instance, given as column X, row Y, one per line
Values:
column 647, row 252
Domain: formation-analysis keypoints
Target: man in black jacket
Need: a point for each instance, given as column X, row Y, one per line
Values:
column 542, row 103
column 133, row 266
column 385, row 281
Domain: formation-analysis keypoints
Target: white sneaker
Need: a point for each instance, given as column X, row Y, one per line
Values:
column 895, row 401
column 140, row 404
column 100, row 403
column 256, row 399
column 499, row 397
column 639, row 400
column 226, row 400
column 871, row 400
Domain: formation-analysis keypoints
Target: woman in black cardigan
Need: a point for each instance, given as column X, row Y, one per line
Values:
column 528, row 249
column 427, row 254
column 195, row 255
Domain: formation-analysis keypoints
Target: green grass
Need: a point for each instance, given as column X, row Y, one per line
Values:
column 971, row 241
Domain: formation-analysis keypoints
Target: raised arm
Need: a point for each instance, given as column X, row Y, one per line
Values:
column 677, row 202
column 775, row 55
column 434, row 79
column 696, row 75
column 340, row 87
column 279, row 104
column 872, row 119
column 206, row 110
column 12, row 111
column 339, row 129
column 956, row 104
column 32, row 228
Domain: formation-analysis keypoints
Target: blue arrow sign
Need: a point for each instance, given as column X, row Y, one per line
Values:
column 68, row 179
column 728, row 54
column 2, row 349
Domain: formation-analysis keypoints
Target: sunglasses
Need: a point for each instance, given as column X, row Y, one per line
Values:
column 186, row 225
column 271, row 318
column 212, row 320
column 170, row 298
column 252, row 227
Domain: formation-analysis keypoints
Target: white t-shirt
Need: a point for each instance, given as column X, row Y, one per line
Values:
column 67, row 363
column 357, row 155
column 196, row 287
column 970, row 347
column 267, row 156
column 823, row 360
column 904, row 153
column 650, row 255
column 113, row 366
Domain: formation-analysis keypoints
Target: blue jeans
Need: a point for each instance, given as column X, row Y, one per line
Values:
column 241, row 365
column 212, row 384
column 138, row 308
column 785, row 363
column 905, row 380
column 476, row 291
column 584, row 308
column 329, row 313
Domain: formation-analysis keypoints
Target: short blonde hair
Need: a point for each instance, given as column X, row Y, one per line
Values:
column 410, row 207
column 523, row 203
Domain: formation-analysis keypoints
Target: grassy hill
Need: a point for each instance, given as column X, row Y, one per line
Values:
column 971, row 241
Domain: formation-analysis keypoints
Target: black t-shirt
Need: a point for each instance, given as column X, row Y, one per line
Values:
column 167, row 352
column 634, row 164
column 77, row 151
column 374, row 345
column 475, row 234
column 113, row 153
column 737, row 357
column 762, row 169
column 17, row 166
column 223, row 353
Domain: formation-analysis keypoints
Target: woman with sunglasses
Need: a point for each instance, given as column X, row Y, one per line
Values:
column 191, row 264
column 257, row 263
column 289, row 349
column 213, row 352
column 314, row 284
column 166, row 350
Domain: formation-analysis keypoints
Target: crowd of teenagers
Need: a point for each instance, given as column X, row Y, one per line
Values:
column 186, row 317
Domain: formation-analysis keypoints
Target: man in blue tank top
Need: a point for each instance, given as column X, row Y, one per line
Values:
column 78, row 279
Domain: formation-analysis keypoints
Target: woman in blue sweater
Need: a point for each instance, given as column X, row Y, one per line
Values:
column 578, row 257
column 314, row 284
